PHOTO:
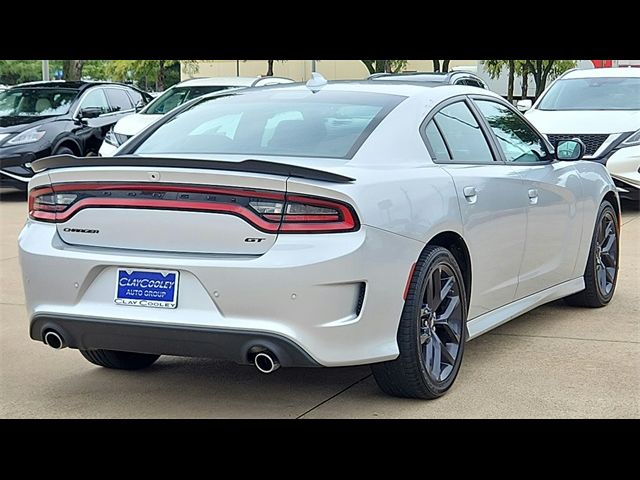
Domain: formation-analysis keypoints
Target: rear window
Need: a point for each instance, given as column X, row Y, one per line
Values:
column 275, row 122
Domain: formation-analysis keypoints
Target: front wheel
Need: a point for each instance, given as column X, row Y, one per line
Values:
column 601, row 272
column 432, row 330
column 119, row 360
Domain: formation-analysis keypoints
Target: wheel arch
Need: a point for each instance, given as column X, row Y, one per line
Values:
column 613, row 199
column 453, row 242
column 70, row 143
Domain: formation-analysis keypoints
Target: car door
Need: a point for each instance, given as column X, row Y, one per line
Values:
column 91, row 131
column 490, row 199
column 552, row 190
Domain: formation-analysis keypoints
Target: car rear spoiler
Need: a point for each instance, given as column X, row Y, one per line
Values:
column 252, row 166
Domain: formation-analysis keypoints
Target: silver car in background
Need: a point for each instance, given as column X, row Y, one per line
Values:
column 326, row 224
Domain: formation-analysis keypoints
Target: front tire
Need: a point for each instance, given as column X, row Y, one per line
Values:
column 432, row 330
column 601, row 272
column 119, row 360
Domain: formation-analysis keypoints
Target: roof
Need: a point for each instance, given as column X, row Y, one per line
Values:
column 423, row 92
column 226, row 81
column 72, row 84
column 433, row 77
column 603, row 72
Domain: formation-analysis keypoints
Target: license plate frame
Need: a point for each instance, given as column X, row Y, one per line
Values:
column 132, row 290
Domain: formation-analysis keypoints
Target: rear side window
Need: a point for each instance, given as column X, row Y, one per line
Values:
column 95, row 98
column 462, row 135
column 136, row 97
column 274, row 122
column 118, row 99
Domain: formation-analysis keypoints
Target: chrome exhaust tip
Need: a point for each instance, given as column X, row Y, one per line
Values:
column 54, row 340
column 266, row 362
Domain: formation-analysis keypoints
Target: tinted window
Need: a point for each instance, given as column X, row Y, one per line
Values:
column 463, row 134
column 118, row 100
column 593, row 94
column 274, row 122
column 436, row 142
column 519, row 142
column 95, row 98
column 176, row 96
column 135, row 96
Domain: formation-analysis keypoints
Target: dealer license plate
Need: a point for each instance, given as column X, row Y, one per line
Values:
column 147, row 288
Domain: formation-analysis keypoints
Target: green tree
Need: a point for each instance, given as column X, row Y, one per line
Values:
column 160, row 73
column 544, row 70
column 72, row 69
column 384, row 66
column 494, row 69
column 13, row 72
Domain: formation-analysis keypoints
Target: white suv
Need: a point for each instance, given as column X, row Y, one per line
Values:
column 170, row 99
column 601, row 107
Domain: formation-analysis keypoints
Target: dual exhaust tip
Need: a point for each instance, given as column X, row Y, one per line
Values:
column 265, row 361
column 54, row 340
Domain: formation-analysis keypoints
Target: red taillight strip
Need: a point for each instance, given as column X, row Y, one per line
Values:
column 271, row 223
column 348, row 222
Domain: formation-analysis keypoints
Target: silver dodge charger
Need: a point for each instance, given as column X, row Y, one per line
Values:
column 319, row 224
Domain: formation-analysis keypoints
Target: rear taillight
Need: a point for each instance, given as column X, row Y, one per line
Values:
column 271, row 212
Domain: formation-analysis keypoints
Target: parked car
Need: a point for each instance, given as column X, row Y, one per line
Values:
column 433, row 78
column 602, row 108
column 173, row 97
column 326, row 224
column 39, row 119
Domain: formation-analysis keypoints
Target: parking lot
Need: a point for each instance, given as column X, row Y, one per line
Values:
column 556, row 361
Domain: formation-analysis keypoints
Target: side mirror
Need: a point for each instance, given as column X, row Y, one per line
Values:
column 140, row 105
column 570, row 150
column 524, row 105
column 90, row 112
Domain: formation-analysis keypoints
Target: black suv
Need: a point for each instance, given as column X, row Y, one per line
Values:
column 433, row 78
column 62, row 117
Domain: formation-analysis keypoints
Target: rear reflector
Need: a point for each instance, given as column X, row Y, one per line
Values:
column 268, row 211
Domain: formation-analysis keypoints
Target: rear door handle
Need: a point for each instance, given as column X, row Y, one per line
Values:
column 470, row 194
column 533, row 196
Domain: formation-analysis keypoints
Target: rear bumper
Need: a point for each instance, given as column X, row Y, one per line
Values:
column 91, row 333
column 338, row 297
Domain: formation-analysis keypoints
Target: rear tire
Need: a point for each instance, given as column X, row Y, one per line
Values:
column 432, row 330
column 601, row 272
column 119, row 360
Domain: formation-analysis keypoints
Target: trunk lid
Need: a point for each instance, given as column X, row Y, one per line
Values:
column 167, row 209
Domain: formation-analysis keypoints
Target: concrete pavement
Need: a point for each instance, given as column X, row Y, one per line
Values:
column 554, row 362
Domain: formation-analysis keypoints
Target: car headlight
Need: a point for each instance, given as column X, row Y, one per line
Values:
column 631, row 140
column 111, row 138
column 28, row 136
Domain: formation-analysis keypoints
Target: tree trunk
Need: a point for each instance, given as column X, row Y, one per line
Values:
column 161, row 77
column 512, row 72
column 370, row 66
column 544, row 76
column 269, row 68
column 445, row 66
column 380, row 64
column 387, row 66
column 436, row 65
column 72, row 69
column 525, row 81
